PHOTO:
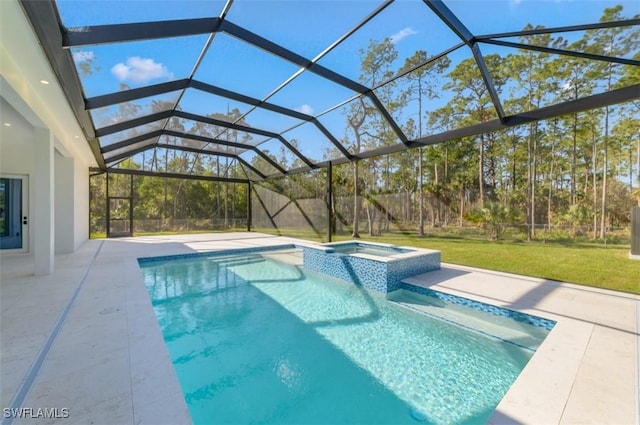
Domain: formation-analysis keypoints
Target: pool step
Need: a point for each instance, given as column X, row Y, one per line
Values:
column 521, row 334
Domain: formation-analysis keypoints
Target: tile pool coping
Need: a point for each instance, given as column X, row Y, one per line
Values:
column 412, row 252
column 144, row 261
column 518, row 316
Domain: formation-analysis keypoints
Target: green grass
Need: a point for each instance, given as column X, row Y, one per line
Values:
column 102, row 235
column 575, row 262
column 581, row 262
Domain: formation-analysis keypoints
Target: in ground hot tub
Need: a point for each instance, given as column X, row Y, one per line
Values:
column 376, row 266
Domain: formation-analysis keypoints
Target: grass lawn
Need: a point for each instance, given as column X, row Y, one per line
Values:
column 576, row 262
column 580, row 262
column 102, row 235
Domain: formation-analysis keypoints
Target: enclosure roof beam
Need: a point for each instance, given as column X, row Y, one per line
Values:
column 387, row 116
column 564, row 52
column 570, row 107
column 227, row 143
column 156, row 89
column 333, row 140
column 206, row 139
column 125, row 155
column 158, row 133
column 295, row 151
column 451, row 20
column 136, row 122
column 101, row 34
column 115, row 128
column 130, row 141
column 174, row 175
column 228, row 94
column 214, row 153
column 595, row 101
column 118, row 33
column 196, row 137
column 221, row 123
column 135, row 94
column 570, row 28
column 614, row 97
column 488, row 81
column 286, row 54
column 312, row 66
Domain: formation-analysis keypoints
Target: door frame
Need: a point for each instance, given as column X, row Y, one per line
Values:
column 24, row 213
column 129, row 198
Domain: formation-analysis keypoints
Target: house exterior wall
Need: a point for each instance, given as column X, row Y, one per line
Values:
column 34, row 108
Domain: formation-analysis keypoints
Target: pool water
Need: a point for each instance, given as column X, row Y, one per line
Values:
column 255, row 340
column 360, row 248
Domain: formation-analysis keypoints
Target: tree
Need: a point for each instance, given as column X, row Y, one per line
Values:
column 472, row 103
column 615, row 41
column 494, row 217
column 422, row 82
column 363, row 119
column 531, row 70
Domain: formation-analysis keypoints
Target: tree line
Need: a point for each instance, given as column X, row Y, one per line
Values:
column 581, row 169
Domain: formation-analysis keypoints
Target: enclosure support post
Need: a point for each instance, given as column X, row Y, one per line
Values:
column 635, row 233
column 131, row 205
column 106, row 203
column 329, row 200
column 248, row 206
column 43, row 211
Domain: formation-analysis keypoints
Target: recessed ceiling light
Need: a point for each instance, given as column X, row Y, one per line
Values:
column 7, row 124
column 76, row 137
column 45, row 82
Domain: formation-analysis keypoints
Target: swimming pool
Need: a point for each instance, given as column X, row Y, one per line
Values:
column 253, row 339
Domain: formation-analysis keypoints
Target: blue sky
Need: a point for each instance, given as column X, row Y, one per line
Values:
column 305, row 27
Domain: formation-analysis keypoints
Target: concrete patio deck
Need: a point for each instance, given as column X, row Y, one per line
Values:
column 86, row 338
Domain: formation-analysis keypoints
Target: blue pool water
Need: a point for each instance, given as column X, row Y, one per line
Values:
column 254, row 340
column 364, row 248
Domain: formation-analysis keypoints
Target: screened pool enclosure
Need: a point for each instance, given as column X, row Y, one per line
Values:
column 324, row 117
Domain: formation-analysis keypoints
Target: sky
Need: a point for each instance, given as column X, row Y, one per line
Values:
column 305, row 27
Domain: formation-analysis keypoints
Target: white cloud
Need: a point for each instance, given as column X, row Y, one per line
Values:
column 140, row 70
column 81, row 56
column 305, row 109
column 403, row 33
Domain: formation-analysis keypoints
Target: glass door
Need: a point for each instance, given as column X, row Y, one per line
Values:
column 14, row 218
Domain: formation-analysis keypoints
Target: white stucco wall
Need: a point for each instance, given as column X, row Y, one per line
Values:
column 27, row 104
column 64, row 203
column 81, row 205
column 72, row 203
column 16, row 151
column 71, row 182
